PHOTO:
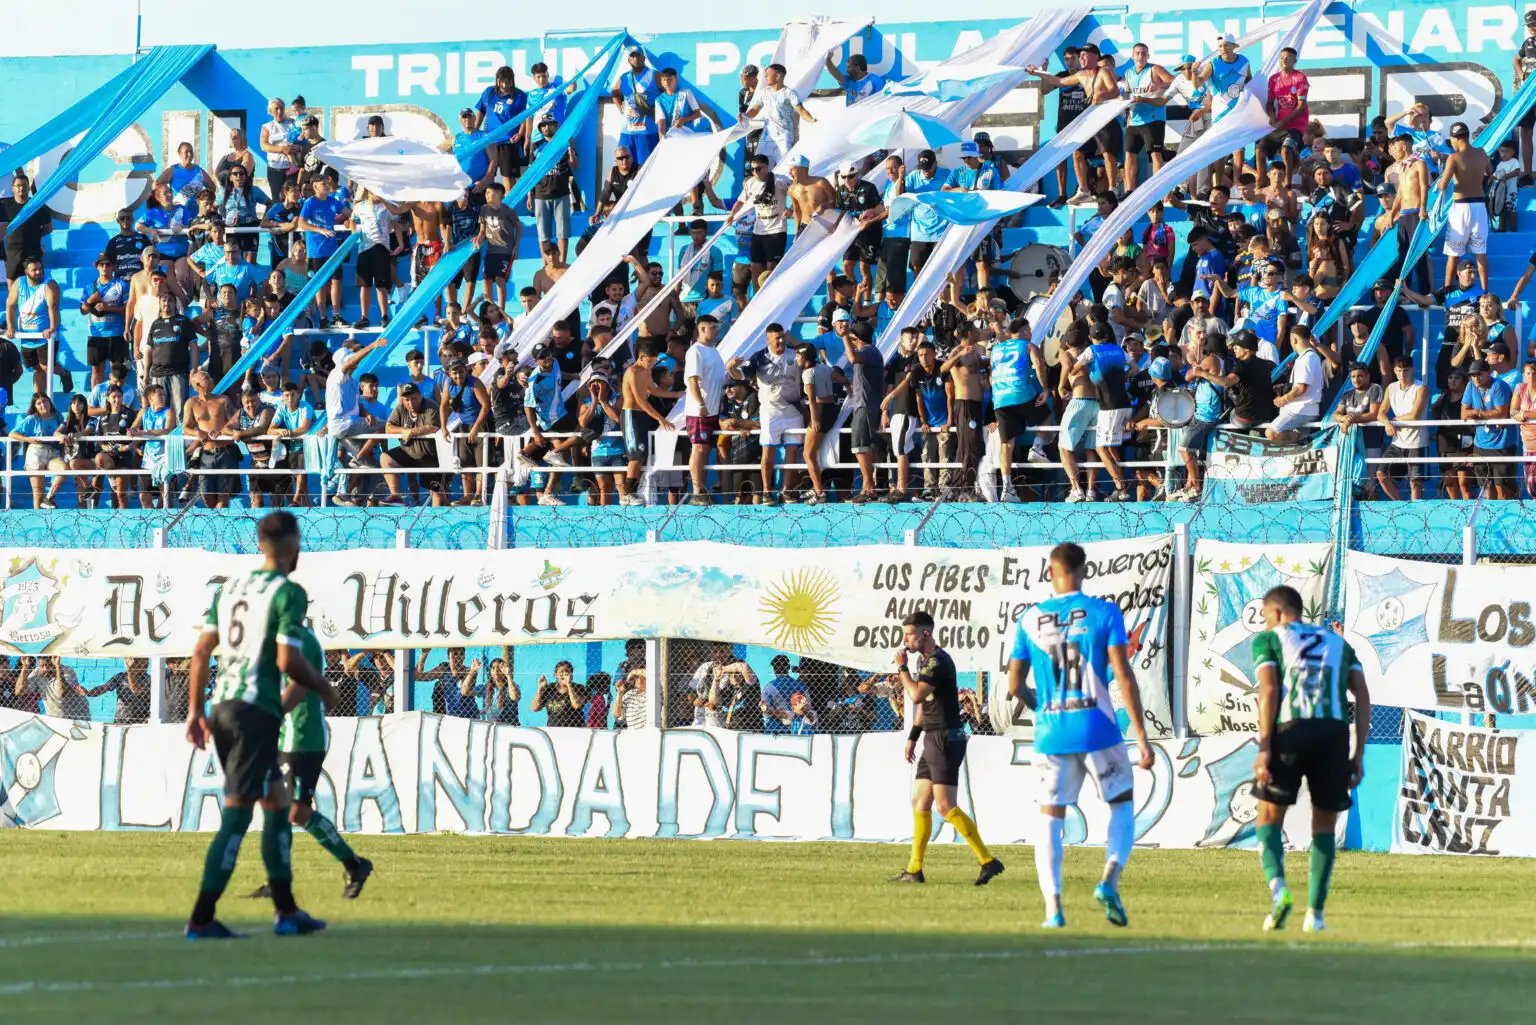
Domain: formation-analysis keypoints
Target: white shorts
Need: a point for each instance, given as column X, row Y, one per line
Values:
column 776, row 427
column 1061, row 776
column 1077, row 423
column 1293, row 416
column 1467, row 229
column 1109, row 429
column 905, row 433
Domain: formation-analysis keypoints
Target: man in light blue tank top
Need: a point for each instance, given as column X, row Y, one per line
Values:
column 1069, row 645
column 1145, row 122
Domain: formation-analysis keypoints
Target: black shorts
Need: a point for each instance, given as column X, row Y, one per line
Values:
column 638, row 428
column 509, row 161
column 1147, row 138
column 497, row 265
column 986, row 251
column 1529, row 121
column 405, row 461
column 1013, row 421
column 301, row 775
column 862, row 431
column 106, row 349
column 1316, row 750
column 271, row 483
column 374, row 268
column 768, row 248
column 864, row 249
column 469, row 272
column 1109, row 139
column 942, row 755
column 316, row 262
column 34, row 357
column 1275, row 141
column 826, row 416
column 1489, row 472
column 918, row 253
column 245, row 739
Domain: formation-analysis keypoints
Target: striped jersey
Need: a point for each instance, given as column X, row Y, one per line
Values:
column 1314, row 665
column 253, row 614
column 304, row 726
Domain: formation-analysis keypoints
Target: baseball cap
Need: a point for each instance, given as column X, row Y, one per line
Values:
column 841, row 315
column 1497, row 349
column 1099, row 332
column 799, row 160
column 467, row 112
column 1530, row 17
column 1161, row 370
column 102, row 258
column 969, row 149
column 1229, row 38
column 414, row 354
column 1137, row 335
column 455, row 364
column 505, row 349
column 1186, row 60
column 407, row 389
column 271, row 370
column 981, row 137
column 1243, row 340
column 543, row 351
column 1384, row 284
column 850, row 168
column 634, row 49
column 547, row 118
column 1459, row 130
column 1479, row 366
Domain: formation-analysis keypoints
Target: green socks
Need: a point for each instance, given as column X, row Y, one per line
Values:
column 1324, row 850
column 219, row 864
column 277, row 845
column 325, row 834
column 1272, row 851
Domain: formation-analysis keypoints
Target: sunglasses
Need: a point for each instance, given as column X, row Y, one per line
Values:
column 622, row 156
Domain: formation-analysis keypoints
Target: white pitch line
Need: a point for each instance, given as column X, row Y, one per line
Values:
column 687, row 964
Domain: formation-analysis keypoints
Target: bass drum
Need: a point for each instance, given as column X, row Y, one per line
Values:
column 1056, row 336
column 1033, row 266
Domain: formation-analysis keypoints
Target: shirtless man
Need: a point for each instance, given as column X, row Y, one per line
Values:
column 143, row 304
column 206, row 417
column 553, row 270
column 1096, row 77
column 660, row 320
column 965, row 368
column 1082, row 412
column 808, row 196
column 434, row 236
column 640, row 417
column 1410, row 203
column 1466, row 173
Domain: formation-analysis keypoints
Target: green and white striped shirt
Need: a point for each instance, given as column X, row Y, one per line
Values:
column 253, row 614
column 1314, row 665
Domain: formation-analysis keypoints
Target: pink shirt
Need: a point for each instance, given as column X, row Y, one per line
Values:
column 1525, row 400
column 1289, row 91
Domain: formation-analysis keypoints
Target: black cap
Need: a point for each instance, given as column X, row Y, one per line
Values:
column 1479, row 366
column 102, row 258
column 407, row 389
column 1459, row 130
column 1386, row 283
column 467, row 112
column 456, row 364
column 1099, row 332
column 1244, row 340
column 543, row 351
column 414, row 354
column 1497, row 349
column 1530, row 17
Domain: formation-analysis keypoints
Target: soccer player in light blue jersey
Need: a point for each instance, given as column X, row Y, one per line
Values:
column 1069, row 644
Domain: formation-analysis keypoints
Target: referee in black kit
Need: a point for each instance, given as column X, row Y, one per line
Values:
column 937, row 697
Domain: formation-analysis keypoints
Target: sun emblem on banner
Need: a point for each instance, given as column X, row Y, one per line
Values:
column 798, row 611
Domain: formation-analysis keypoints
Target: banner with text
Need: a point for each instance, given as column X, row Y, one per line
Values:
column 1460, row 793
column 421, row 773
column 1230, row 581
column 1432, row 636
column 844, row 605
column 1247, row 470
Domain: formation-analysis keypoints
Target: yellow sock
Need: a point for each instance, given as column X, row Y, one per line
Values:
column 922, row 828
column 967, row 829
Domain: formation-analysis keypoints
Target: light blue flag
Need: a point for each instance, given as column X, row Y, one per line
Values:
column 964, row 207
column 65, row 126
column 279, row 327
column 151, row 79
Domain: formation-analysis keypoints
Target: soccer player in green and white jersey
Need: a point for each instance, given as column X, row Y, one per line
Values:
column 301, row 745
column 254, row 625
column 1305, row 675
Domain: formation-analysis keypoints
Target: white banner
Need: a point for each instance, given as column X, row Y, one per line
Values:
column 1230, row 581
column 674, row 167
column 1460, row 792
column 843, row 605
column 1432, row 636
column 423, row 773
column 804, row 46
column 398, row 169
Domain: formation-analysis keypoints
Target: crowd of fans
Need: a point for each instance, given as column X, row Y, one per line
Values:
column 1225, row 314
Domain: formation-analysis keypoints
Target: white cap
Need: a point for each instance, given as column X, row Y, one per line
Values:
column 969, row 149
column 850, row 168
column 1229, row 38
column 799, row 160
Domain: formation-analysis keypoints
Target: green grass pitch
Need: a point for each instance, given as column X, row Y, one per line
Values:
column 465, row 929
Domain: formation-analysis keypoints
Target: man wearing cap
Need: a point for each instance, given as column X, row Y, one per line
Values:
column 781, row 109
column 861, row 199
column 1249, row 382
column 1146, row 122
column 766, row 196
column 104, row 306
column 412, row 423
column 1288, row 113
column 477, row 165
column 635, row 95
column 927, row 225
column 1228, row 74
column 1488, row 397
column 973, row 176
column 1466, row 174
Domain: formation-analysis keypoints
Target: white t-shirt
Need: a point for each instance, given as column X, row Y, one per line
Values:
column 276, row 134
column 767, row 201
column 780, row 115
column 341, row 401
column 374, row 222
column 703, row 362
column 1267, row 350
column 1307, row 370
column 1114, row 299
